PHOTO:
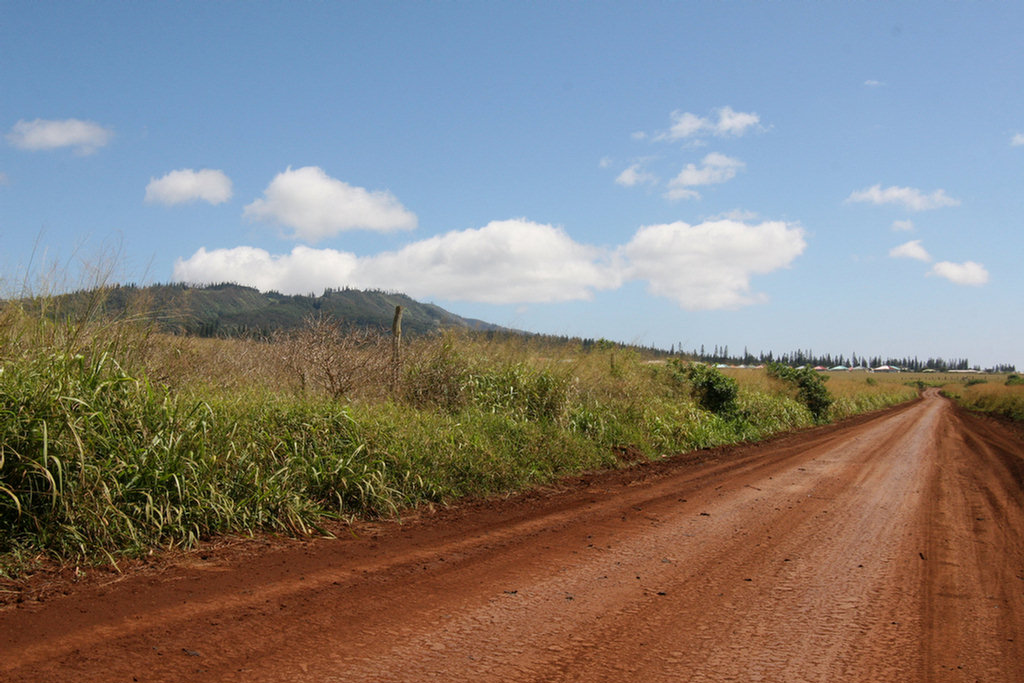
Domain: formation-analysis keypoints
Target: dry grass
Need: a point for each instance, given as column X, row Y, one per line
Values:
column 991, row 395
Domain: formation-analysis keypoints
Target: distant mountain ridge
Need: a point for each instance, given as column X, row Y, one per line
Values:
column 229, row 309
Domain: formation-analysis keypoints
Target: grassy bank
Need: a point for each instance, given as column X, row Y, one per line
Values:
column 999, row 394
column 115, row 439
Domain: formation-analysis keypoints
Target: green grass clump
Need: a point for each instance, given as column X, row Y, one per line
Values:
column 94, row 459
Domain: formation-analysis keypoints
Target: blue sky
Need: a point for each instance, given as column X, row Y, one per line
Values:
column 835, row 177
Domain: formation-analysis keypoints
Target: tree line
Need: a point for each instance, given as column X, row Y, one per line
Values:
column 721, row 355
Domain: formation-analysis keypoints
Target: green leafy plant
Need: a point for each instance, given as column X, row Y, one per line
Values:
column 712, row 390
column 810, row 386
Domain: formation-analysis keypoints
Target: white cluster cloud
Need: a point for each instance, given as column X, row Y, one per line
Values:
column 709, row 266
column 966, row 273
column 911, row 250
column 188, row 185
column 1017, row 140
column 302, row 271
column 317, row 206
column 911, row 198
column 512, row 261
column 41, row 134
column 635, row 175
column 726, row 122
column 701, row 267
column 715, row 168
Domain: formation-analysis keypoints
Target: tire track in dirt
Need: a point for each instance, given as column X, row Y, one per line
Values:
column 887, row 549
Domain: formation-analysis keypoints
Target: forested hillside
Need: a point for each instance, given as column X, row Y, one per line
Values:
column 233, row 310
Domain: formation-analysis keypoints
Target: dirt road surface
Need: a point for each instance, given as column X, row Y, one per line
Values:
column 888, row 548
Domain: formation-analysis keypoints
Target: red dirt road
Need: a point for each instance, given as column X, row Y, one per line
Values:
column 889, row 548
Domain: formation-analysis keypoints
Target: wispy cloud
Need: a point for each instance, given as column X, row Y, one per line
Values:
column 4, row 180
column 724, row 122
column 715, row 168
column 85, row 137
column 909, row 197
column 903, row 226
column 315, row 206
column 912, row 250
column 966, row 273
column 870, row 83
column 1017, row 140
column 635, row 175
column 187, row 185
column 740, row 215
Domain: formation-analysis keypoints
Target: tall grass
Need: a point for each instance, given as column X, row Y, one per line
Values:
column 115, row 439
column 1001, row 394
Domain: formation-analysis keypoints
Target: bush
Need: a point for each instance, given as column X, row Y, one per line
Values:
column 712, row 390
column 810, row 386
column 325, row 356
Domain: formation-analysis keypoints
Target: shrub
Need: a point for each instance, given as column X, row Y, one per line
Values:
column 810, row 387
column 712, row 390
column 325, row 356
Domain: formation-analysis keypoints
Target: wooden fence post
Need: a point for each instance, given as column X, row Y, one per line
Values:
column 396, row 349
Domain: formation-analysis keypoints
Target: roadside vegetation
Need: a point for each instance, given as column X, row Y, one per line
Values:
column 117, row 438
column 998, row 394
